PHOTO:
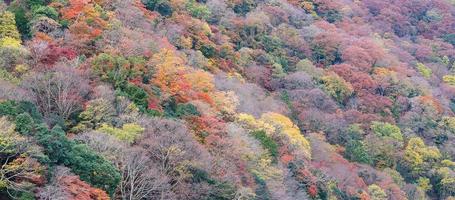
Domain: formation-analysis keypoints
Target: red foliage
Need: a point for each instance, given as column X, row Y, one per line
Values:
column 312, row 190
column 361, row 81
column 363, row 54
column 75, row 8
column 53, row 53
column 79, row 190
column 153, row 104
column 206, row 125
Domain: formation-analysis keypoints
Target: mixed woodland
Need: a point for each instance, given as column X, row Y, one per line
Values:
column 227, row 99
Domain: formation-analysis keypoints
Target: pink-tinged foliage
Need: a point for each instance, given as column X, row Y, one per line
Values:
column 335, row 166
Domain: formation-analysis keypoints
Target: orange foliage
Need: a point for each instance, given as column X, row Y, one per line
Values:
column 206, row 125
column 179, row 81
column 75, row 9
column 79, row 190
column 432, row 102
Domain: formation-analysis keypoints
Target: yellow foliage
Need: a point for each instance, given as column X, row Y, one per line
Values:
column 274, row 123
column 265, row 169
column 168, row 71
column 8, row 26
column 448, row 123
column 424, row 183
column 226, row 102
column 200, row 81
column 129, row 132
column 381, row 71
column 424, row 70
column 21, row 68
column 249, row 122
column 288, row 129
column 417, row 154
column 449, row 79
column 10, row 42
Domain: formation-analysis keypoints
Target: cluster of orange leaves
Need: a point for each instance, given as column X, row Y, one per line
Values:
column 179, row 81
column 431, row 102
column 79, row 190
column 85, row 16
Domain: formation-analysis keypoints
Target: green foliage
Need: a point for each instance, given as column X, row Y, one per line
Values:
column 114, row 69
column 396, row 176
column 33, row 3
column 219, row 190
column 93, row 169
column 62, row 151
column 271, row 43
column 449, row 38
column 278, row 71
column 98, row 111
column 222, row 191
column 208, row 50
column 161, row 6
column 137, row 95
column 82, row 161
column 267, row 142
column 386, row 130
column 356, row 151
column 22, row 21
column 320, row 55
column 337, row 87
column 331, row 15
column 424, row 70
column 187, row 109
column 5, row 75
column 262, row 192
column 173, row 109
column 24, row 123
column 307, row 66
column 198, row 10
column 44, row 11
column 13, row 108
column 445, row 179
column 244, row 7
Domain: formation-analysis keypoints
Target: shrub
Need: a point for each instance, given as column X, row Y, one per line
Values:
column 24, row 123
column 45, row 11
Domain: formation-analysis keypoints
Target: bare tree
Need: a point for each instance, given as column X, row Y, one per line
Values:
column 58, row 91
column 141, row 178
column 12, row 92
column 171, row 146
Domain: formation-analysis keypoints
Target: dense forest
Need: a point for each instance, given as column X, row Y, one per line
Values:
column 227, row 99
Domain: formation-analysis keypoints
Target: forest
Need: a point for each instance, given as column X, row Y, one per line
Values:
column 227, row 99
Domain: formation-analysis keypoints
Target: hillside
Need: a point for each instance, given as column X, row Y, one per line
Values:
column 227, row 99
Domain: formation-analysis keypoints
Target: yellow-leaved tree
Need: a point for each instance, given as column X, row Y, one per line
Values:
column 420, row 158
column 277, row 126
column 286, row 128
